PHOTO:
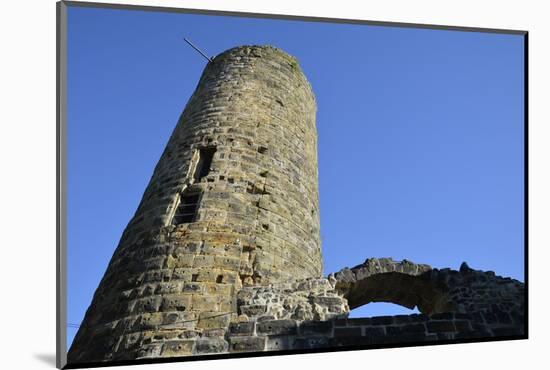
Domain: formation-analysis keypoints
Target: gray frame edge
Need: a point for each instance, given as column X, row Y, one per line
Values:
column 61, row 181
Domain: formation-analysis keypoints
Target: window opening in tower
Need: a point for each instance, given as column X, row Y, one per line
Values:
column 187, row 209
column 205, row 161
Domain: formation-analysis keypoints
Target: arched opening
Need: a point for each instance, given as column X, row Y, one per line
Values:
column 406, row 290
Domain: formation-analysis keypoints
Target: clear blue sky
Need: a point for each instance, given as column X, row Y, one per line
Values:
column 420, row 135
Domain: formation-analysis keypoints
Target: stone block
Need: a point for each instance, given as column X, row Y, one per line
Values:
column 445, row 336
column 311, row 328
column 463, row 326
column 280, row 343
column 340, row 322
column 311, row 342
column 430, row 337
column 405, row 329
column 149, row 351
column 154, row 263
column 442, row 316
column 466, row 335
column 242, row 328
column 179, row 320
column 277, row 327
column 359, row 321
column 193, row 288
column 176, row 348
column 247, row 344
column 401, row 319
column 188, row 248
column 463, row 316
column 176, row 302
column 218, row 289
column 347, row 332
column 503, row 317
column 404, row 338
column 253, row 310
column 125, row 308
column 180, row 261
column 228, row 277
column 490, row 317
column 328, row 301
column 161, row 336
column 203, row 261
column 344, row 341
column 213, row 320
column 374, row 331
column 211, row 345
column 148, row 321
column 189, row 334
column 130, row 341
column 146, row 290
column 146, row 305
column 418, row 317
column 227, row 262
column 157, row 276
column 382, row 320
column 216, row 332
column 440, row 326
column 181, row 273
column 203, row 302
column 206, row 276
column 169, row 287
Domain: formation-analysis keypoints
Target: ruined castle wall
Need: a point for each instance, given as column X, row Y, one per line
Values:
column 313, row 313
column 233, row 201
column 433, row 291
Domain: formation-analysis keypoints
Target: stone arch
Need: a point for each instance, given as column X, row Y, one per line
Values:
column 398, row 288
column 403, row 283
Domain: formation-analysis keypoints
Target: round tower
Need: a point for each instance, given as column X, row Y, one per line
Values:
column 233, row 202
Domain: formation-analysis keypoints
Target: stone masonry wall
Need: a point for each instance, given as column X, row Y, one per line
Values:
column 313, row 314
column 242, row 161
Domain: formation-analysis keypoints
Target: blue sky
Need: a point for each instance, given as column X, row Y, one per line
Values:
column 420, row 135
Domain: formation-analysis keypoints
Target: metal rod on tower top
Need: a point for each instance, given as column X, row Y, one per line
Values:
column 197, row 49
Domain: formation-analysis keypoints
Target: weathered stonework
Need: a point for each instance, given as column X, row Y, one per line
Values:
column 223, row 253
column 312, row 313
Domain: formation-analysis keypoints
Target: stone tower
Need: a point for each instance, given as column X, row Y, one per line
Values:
column 233, row 202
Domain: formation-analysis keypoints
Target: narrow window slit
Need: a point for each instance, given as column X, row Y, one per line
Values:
column 187, row 208
column 205, row 161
